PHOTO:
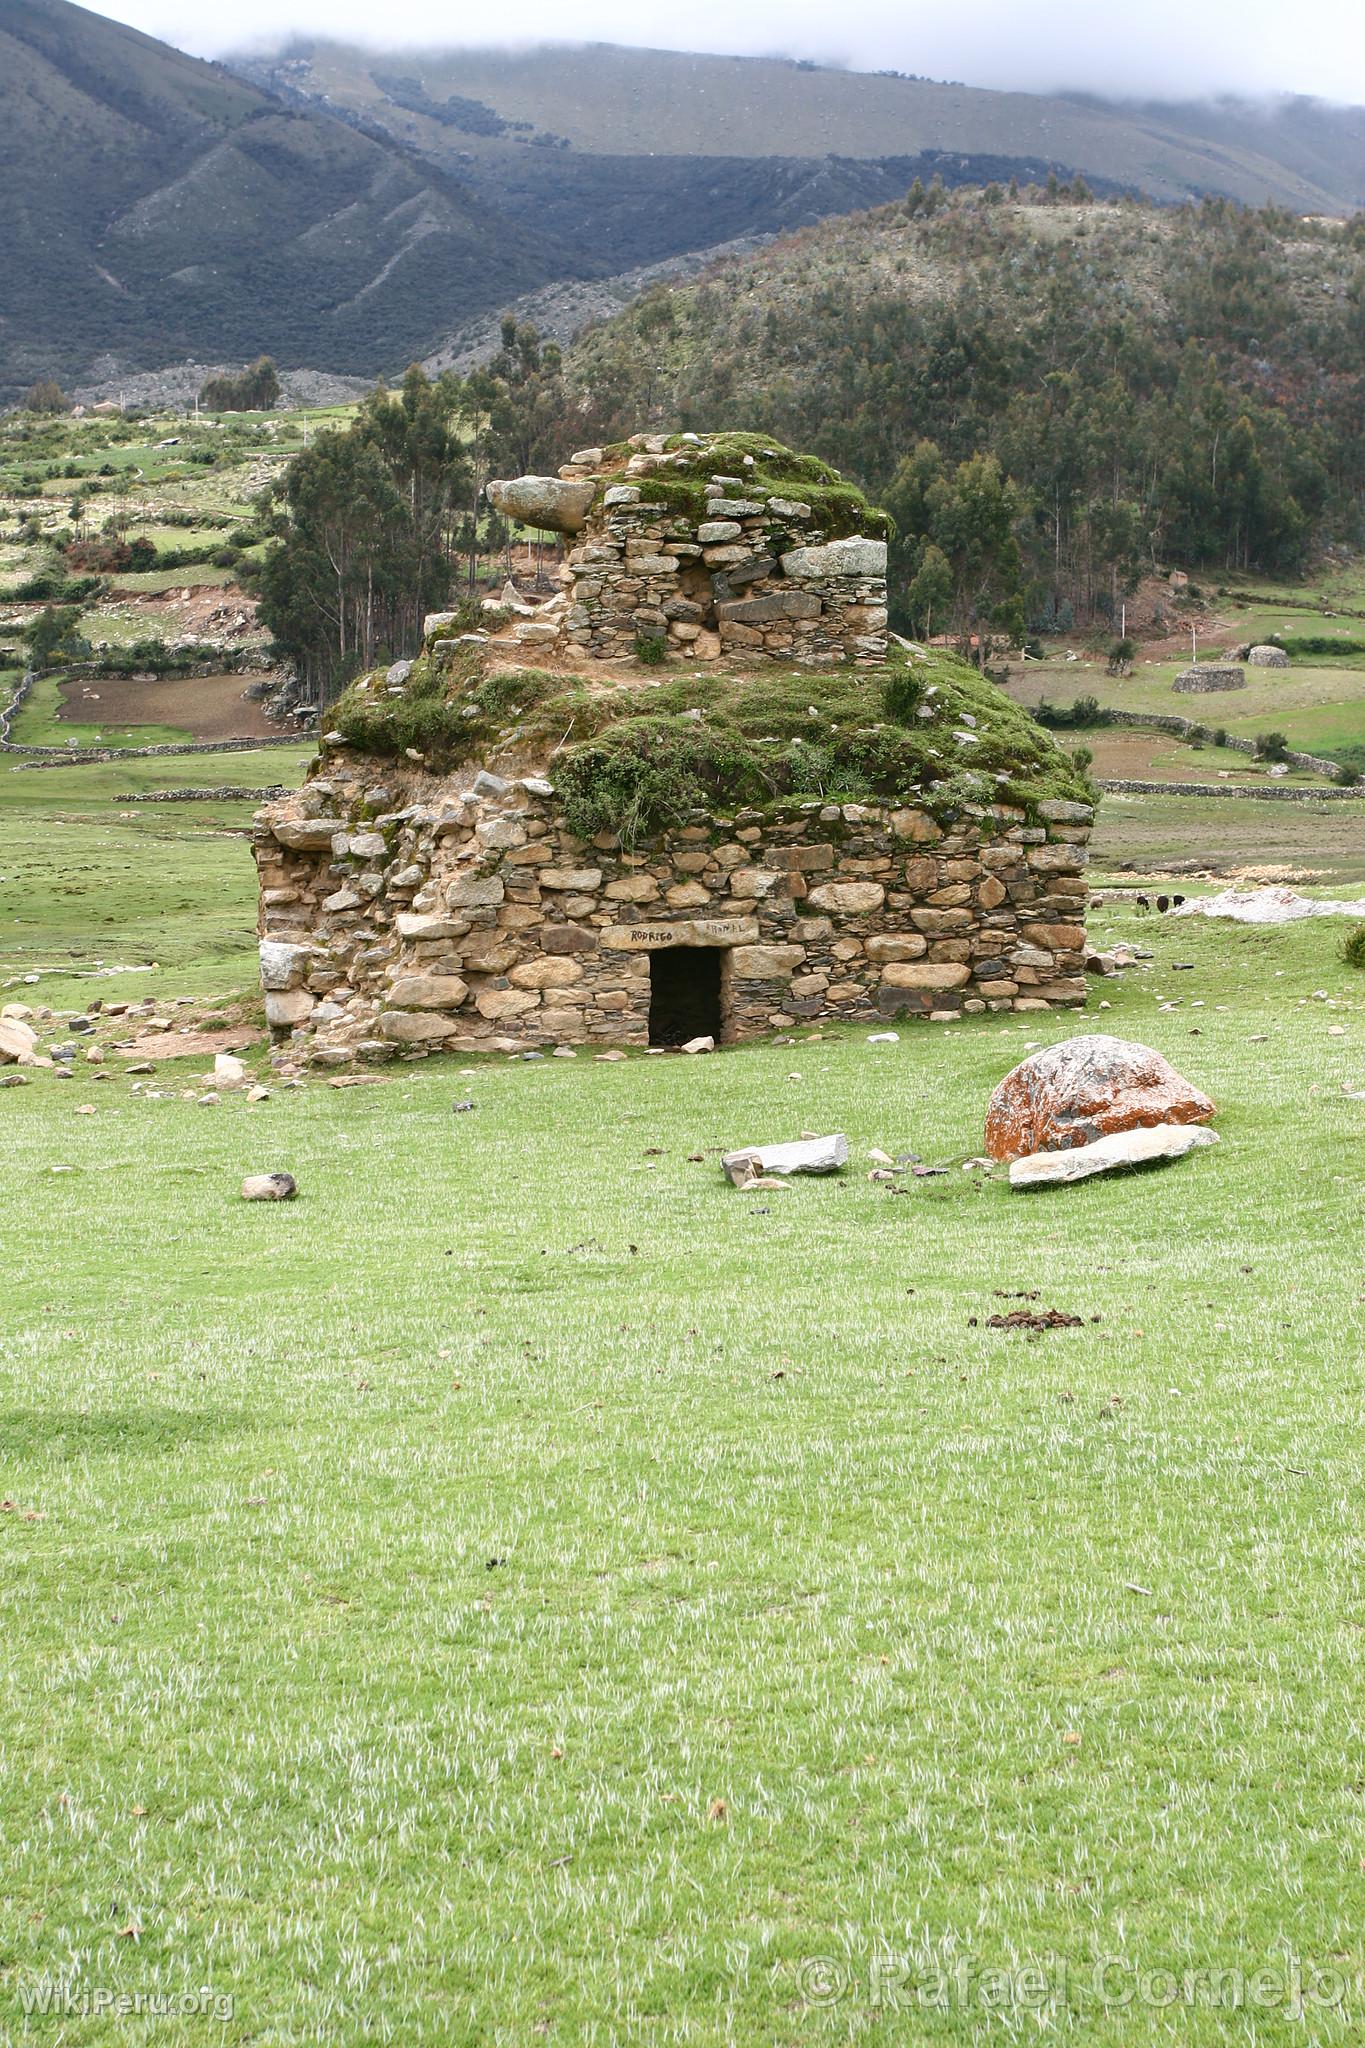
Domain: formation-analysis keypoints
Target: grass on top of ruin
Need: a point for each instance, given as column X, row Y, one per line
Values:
column 525, row 1588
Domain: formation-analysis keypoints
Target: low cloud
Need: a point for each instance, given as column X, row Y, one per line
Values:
column 1169, row 49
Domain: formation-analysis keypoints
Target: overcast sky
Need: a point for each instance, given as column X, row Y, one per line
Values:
column 1174, row 48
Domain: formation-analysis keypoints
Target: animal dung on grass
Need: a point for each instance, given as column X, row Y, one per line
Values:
column 811, row 1155
column 1146, row 1146
column 269, row 1187
column 1073, row 1094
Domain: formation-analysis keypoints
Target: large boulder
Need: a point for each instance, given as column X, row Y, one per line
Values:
column 17, row 1040
column 553, row 503
column 1086, row 1089
column 1266, row 656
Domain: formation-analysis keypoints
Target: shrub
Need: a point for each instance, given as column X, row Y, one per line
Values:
column 653, row 771
column 1271, row 746
column 1347, row 777
column 651, row 650
column 1302, row 644
column 46, row 396
column 1084, row 711
column 903, row 694
column 1121, row 654
column 1352, row 948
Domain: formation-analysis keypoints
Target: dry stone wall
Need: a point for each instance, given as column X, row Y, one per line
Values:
column 757, row 574
column 402, row 915
column 755, row 577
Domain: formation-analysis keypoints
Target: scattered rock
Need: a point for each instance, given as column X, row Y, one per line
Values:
column 228, row 1071
column 1084, row 1089
column 1145, row 1145
column 817, row 1155
column 884, row 1038
column 269, row 1187
column 16, row 1039
column 699, row 1045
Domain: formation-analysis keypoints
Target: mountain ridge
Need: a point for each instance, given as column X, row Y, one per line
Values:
column 347, row 211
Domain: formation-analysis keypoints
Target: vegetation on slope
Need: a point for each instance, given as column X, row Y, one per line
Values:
column 1157, row 386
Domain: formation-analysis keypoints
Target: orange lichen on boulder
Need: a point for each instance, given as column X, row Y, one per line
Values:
column 1084, row 1089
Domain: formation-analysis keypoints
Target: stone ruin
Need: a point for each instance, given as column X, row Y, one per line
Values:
column 1267, row 656
column 407, row 915
column 404, row 910
column 667, row 547
column 1210, row 675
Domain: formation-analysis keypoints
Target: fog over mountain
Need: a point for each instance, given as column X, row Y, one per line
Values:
column 1168, row 49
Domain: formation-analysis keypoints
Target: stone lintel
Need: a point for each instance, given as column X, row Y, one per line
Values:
column 682, row 931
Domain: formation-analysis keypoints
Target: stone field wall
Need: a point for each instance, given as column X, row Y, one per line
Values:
column 402, row 915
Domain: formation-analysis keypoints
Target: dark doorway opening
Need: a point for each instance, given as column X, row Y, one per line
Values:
column 684, row 994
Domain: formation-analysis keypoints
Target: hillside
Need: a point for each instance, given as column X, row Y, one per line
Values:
column 1163, row 386
column 347, row 211
column 158, row 207
column 512, row 118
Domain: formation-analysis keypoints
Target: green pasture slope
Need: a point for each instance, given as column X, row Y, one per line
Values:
column 525, row 1590
column 1318, row 703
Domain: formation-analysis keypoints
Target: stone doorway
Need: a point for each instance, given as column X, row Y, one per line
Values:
column 685, row 994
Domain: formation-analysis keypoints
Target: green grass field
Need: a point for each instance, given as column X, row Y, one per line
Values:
column 86, row 878
column 526, row 1590
column 154, row 581
column 1227, row 833
column 1319, row 706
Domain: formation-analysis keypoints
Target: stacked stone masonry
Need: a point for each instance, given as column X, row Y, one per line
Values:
column 410, row 917
column 757, row 576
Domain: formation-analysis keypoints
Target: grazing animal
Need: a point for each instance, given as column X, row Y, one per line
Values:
column 1144, row 903
column 1176, row 902
column 1163, row 904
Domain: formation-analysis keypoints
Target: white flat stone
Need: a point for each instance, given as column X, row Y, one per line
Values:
column 808, row 1155
column 1143, row 1147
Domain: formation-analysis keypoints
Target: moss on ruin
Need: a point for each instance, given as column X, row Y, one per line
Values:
column 839, row 508
column 648, row 753
column 885, row 735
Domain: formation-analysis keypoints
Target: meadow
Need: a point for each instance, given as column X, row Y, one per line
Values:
column 524, row 1589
